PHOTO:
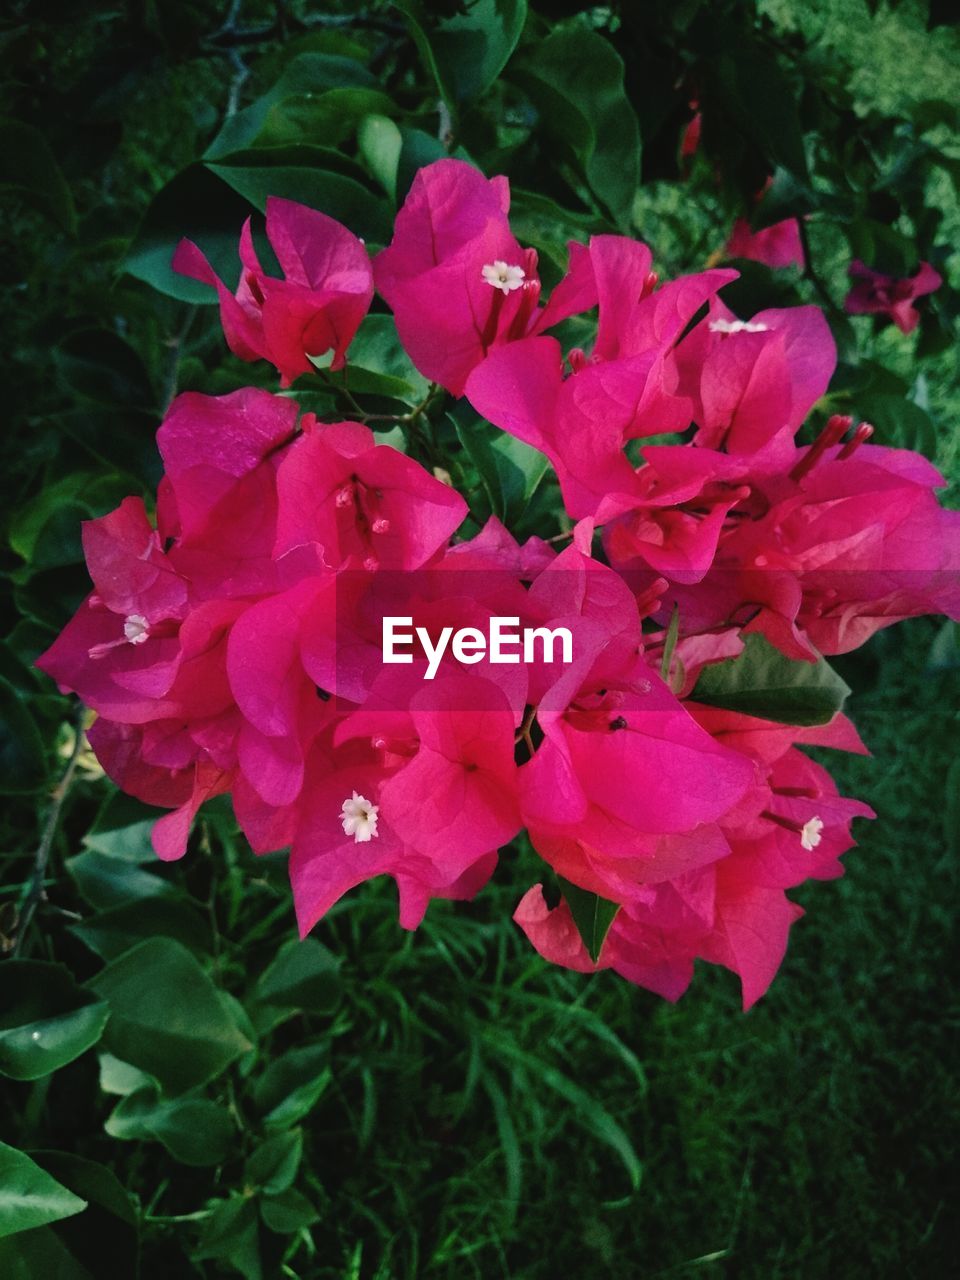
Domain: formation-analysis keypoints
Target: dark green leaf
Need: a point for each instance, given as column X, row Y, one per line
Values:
column 299, row 173
column 575, row 78
column 29, row 1197
column 288, row 1212
column 762, row 682
column 231, row 1233
column 466, row 52
column 291, row 1085
column 592, row 915
column 196, row 205
column 305, row 75
column 273, row 1165
column 46, row 1020
column 167, row 1017
column 195, row 1131
column 28, row 168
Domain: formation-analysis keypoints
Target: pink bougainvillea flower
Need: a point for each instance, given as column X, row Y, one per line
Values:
column 362, row 502
column 317, row 307
column 455, row 277
column 731, row 909
column 749, row 379
column 778, row 245
column 874, row 293
column 444, row 791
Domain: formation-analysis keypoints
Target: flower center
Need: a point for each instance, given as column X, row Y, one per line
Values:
column 810, row 833
column 737, row 326
column 503, row 276
column 359, row 818
column 136, row 629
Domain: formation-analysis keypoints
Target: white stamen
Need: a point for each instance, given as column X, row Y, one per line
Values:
column 359, row 818
column 737, row 326
column 810, row 835
column 504, row 277
column 136, row 628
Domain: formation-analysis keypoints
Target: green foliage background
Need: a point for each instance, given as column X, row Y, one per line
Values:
column 224, row 1100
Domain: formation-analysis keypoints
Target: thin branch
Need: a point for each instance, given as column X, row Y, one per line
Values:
column 35, row 893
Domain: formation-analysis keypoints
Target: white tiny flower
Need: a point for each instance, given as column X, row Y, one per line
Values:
column 504, row 277
column 136, row 628
column 737, row 326
column 810, row 835
column 35, row 1035
column 359, row 818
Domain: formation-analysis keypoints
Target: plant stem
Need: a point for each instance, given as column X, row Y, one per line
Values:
column 35, row 893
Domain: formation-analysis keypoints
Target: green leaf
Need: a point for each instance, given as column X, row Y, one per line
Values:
column 23, row 764
column 760, row 103
column 272, row 1167
column 465, row 53
column 104, row 1239
column 122, row 829
column 520, row 469
column 288, row 1212
column 300, row 173
column 120, row 1077
column 326, row 119
column 29, row 1197
column 380, row 142
column 670, row 644
column 592, row 915
column 305, row 75
column 110, row 933
column 378, row 365
column 231, row 1233
column 167, row 1017
column 99, row 365
column 304, row 975
column 107, row 882
column 762, row 682
column 291, row 1085
column 899, row 422
column 46, row 1019
column 28, row 168
column 195, row 1131
column 576, row 80
column 196, row 205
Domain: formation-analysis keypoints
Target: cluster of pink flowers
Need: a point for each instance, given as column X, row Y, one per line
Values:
column 234, row 644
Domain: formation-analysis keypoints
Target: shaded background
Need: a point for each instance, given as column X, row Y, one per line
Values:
column 446, row 1105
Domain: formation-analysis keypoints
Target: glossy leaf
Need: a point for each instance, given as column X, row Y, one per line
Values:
column 46, row 1019
column 167, row 1017
column 592, row 915
column 29, row 1196
column 762, row 682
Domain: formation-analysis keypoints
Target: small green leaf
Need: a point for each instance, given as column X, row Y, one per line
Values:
column 288, row 1212
column 46, row 1020
column 592, row 915
column 291, row 1085
column 576, row 80
column 466, row 52
column 380, row 142
column 763, row 682
column 167, row 1017
column 304, row 975
column 195, row 1131
column 231, row 1233
column 670, row 644
column 272, row 1167
column 29, row 1197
